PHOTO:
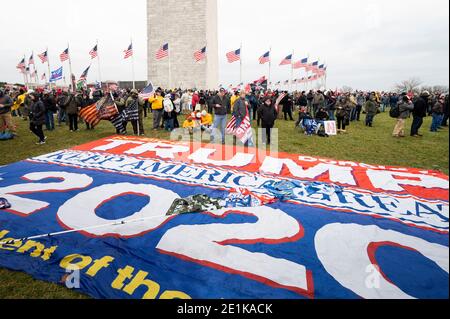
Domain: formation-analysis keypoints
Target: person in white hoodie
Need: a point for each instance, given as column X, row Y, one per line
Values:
column 169, row 111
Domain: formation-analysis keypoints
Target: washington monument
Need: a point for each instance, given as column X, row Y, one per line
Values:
column 187, row 26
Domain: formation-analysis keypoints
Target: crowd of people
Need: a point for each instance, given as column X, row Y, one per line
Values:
column 210, row 110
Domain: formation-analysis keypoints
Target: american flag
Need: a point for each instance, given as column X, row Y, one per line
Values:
column 265, row 58
column 43, row 77
column 43, row 57
column 301, row 64
column 128, row 52
column 287, row 60
column 200, row 55
column 94, row 52
column 21, row 65
column 286, row 82
column 163, row 52
column 65, row 55
column 147, row 92
column 83, row 76
column 31, row 60
column 278, row 100
column 234, row 56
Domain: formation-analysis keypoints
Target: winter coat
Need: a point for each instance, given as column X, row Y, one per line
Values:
column 37, row 113
column 404, row 109
column 343, row 109
column 420, row 108
column 50, row 104
column 438, row 108
column 371, row 107
column 318, row 99
column 71, row 105
column 240, row 109
column 224, row 102
column 267, row 115
column 7, row 103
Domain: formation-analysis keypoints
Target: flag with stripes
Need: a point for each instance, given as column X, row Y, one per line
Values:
column 21, row 66
column 43, row 57
column 147, row 92
column 84, row 75
column 265, row 58
column 131, row 113
column 234, row 56
column 43, row 77
column 106, row 107
column 163, row 52
column 64, row 56
column 287, row 60
column 200, row 55
column 94, row 52
column 90, row 115
column 278, row 100
column 128, row 52
column 301, row 64
column 31, row 60
column 244, row 131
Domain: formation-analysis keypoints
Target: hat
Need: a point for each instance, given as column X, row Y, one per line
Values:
column 4, row 204
column 134, row 91
column 199, row 115
column 425, row 93
column 204, row 113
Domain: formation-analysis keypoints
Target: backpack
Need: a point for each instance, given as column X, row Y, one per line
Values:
column 168, row 105
column 394, row 112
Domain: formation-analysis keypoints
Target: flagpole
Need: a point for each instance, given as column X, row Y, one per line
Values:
column 132, row 64
column 99, row 70
column 170, row 67
column 48, row 65
column 292, row 71
column 270, row 67
column 24, row 72
column 240, row 61
column 72, row 83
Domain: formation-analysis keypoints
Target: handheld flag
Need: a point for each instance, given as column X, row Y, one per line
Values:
column 56, row 75
column 147, row 92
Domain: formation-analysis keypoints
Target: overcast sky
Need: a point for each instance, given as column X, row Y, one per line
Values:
column 367, row 44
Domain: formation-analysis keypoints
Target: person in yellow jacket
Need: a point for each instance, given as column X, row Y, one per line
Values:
column 19, row 100
column 156, row 103
column 233, row 100
column 207, row 120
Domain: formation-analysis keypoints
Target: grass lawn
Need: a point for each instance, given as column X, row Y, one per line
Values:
column 369, row 145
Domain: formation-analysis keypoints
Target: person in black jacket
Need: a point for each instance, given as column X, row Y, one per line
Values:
column 419, row 112
column 37, row 117
column 267, row 114
column 287, row 105
column 50, row 109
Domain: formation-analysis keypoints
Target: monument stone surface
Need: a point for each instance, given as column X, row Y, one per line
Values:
column 187, row 26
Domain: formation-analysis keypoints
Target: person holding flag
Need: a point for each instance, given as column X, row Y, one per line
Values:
column 241, row 116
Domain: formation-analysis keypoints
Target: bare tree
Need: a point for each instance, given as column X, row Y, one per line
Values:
column 347, row 89
column 411, row 85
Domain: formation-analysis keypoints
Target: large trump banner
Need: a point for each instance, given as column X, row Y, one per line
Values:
column 128, row 217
